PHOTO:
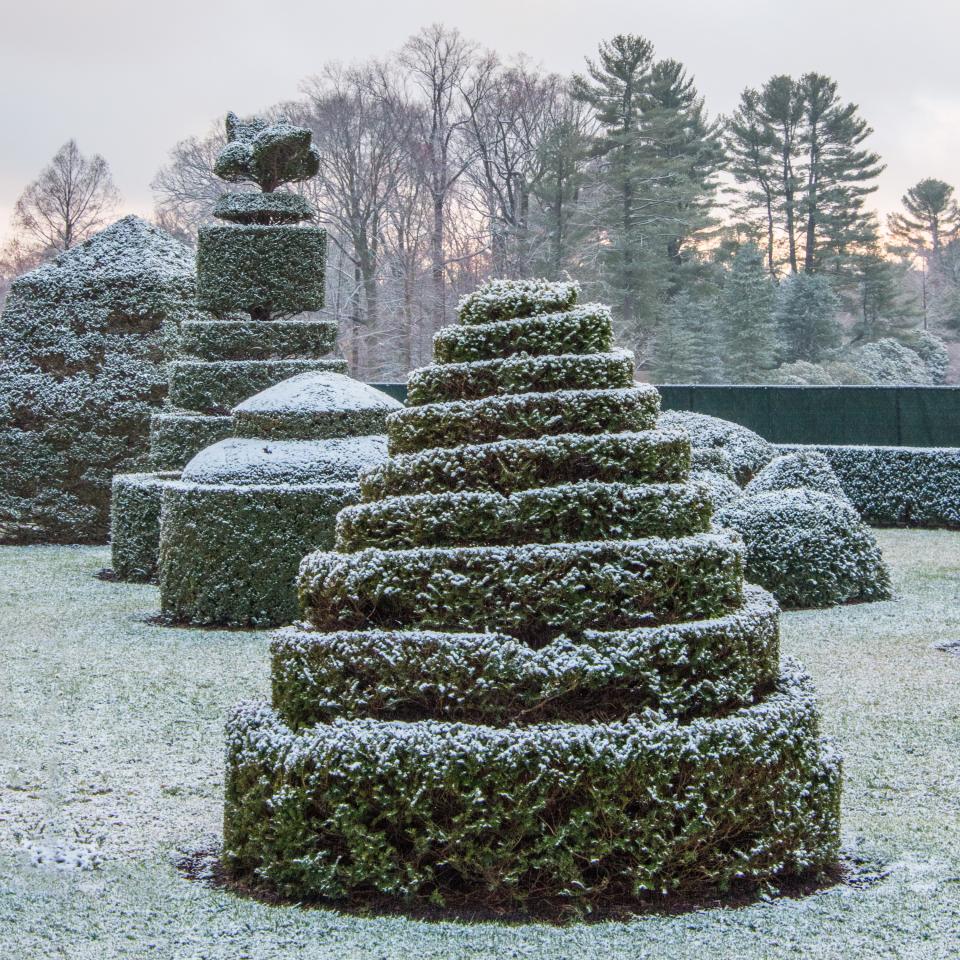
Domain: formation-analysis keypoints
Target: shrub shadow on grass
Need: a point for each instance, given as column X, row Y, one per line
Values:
column 852, row 871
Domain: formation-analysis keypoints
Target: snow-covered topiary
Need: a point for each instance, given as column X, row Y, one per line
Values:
column 808, row 548
column 83, row 343
column 530, row 671
column 805, row 468
column 899, row 486
column 748, row 451
column 722, row 489
column 221, row 362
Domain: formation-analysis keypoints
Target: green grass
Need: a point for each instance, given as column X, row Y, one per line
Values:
column 111, row 749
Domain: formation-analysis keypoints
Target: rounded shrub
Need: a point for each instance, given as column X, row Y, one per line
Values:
column 748, row 451
column 809, row 549
column 805, row 468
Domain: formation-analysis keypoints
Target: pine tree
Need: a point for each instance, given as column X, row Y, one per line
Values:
column 931, row 218
column 748, row 338
column 806, row 316
column 686, row 348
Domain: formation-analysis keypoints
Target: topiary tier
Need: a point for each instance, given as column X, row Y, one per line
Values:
column 531, row 672
column 264, row 263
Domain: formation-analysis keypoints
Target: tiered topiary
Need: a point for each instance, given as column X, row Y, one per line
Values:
column 234, row 527
column 263, row 263
column 531, row 671
column 83, row 345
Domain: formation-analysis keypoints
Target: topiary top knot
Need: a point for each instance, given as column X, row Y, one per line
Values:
column 268, row 154
column 516, row 299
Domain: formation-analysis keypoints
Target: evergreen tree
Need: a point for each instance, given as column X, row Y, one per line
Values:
column 686, row 348
column 797, row 152
column 615, row 88
column 806, row 316
column 748, row 338
column 931, row 217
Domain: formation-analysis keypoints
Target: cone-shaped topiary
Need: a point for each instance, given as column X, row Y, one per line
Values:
column 531, row 670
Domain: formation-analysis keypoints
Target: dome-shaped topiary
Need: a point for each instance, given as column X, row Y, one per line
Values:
column 531, row 672
column 808, row 548
column 748, row 451
column 805, row 468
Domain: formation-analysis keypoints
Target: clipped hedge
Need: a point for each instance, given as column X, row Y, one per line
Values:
column 135, row 524
column 654, row 456
column 516, row 299
column 277, row 270
column 516, row 814
column 806, row 468
column 586, row 329
column 524, row 416
column 276, row 207
column 578, row 511
column 808, row 549
column 474, row 380
column 681, row 669
column 216, row 386
column 257, row 339
column 723, row 491
column 229, row 555
column 899, row 486
column 176, row 436
column 531, row 591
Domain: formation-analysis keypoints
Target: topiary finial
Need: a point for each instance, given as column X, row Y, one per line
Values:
column 268, row 154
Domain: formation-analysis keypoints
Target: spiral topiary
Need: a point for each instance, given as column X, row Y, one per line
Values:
column 530, row 672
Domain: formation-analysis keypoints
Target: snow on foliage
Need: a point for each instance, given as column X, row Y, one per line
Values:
column 529, row 635
column 805, row 468
column 83, row 342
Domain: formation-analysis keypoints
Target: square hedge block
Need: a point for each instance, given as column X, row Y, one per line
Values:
column 273, row 270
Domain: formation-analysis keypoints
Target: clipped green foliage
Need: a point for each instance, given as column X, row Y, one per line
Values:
column 529, row 672
column 83, row 342
column 262, row 208
column 215, row 386
column 550, row 811
column 595, row 511
column 272, row 270
column 807, row 469
column 135, row 524
column 683, row 669
column 808, row 549
column 229, row 554
column 177, row 436
column 256, row 340
column 522, row 374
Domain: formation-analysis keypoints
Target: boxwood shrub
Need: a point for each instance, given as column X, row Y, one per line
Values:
column 899, row 486
column 508, row 465
column 808, row 549
column 576, row 511
column 516, row 299
column 176, row 436
column 806, row 468
column 682, row 669
column 532, row 591
column 257, row 339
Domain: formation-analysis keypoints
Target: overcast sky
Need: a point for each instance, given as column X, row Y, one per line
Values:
column 128, row 78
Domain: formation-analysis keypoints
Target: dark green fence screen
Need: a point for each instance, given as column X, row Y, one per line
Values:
column 876, row 416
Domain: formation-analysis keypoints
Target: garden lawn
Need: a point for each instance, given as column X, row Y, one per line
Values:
column 111, row 771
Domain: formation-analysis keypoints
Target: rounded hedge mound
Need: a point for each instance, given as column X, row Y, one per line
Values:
column 530, row 671
column 748, row 451
column 809, row 549
column 805, row 468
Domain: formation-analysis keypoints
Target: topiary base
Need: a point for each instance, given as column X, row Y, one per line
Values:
column 514, row 816
column 135, row 524
column 229, row 554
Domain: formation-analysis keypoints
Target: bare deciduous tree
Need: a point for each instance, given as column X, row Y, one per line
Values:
column 73, row 197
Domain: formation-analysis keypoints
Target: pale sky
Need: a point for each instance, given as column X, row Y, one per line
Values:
column 128, row 78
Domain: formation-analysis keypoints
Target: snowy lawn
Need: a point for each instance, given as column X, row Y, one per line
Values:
column 110, row 771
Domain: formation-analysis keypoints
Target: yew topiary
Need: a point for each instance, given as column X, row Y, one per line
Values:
column 83, row 346
column 530, row 672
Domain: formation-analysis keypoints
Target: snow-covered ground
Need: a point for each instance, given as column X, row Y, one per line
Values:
column 110, row 771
